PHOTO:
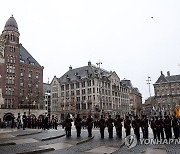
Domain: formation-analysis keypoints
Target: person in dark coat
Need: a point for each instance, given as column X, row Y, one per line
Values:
column 167, row 127
column 136, row 123
column 161, row 127
column 18, row 121
column 110, row 126
column 89, row 124
column 68, row 125
column 24, row 118
column 102, row 125
column 118, row 125
column 153, row 127
column 158, row 125
column 78, row 124
column 144, row 126
column 127, row 125
column 175, row 125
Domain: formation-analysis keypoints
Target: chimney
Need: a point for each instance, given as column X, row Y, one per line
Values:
column 89, row 63
column 70, row 67
column 162, row 73
column 168, row 73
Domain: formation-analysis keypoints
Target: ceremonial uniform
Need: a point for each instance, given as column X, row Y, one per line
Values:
column 102, row 125
column 78, row 124
column 110, row 126
column 89, row 124
column 127, row 125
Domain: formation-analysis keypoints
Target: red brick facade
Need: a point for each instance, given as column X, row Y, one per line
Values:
column 21, row 75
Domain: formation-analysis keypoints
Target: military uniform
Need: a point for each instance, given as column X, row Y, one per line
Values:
column 78, row 124
column 89, row 124
column 167, row 127
column 110, row 126
column 144, row 126
column 127, row 125
column 175, row 125
column 68, row 125
column 102, row 125
column 153, row 127
column 118, row 124
column 136, row 123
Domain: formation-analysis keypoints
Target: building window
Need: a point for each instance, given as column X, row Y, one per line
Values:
column 89, row 83
column 77, row 85
column 77, row 92
column 72, row 86
column 30, row 74
column 83, row 92
column 67, row 87
column 62, row 88
column 83, row 84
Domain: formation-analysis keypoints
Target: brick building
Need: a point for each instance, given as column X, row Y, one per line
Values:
column 21, row 75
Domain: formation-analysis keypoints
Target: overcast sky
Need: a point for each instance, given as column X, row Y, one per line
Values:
column 134, row 38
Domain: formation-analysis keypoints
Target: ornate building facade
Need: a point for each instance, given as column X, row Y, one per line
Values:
column 89, row 90
column 135, row 98
column 167, row 94
column 21, row 75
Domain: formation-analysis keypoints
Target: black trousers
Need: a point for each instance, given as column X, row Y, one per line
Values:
column 89, row 131
column 78, row 132
column 102, row 132
column 110, row 131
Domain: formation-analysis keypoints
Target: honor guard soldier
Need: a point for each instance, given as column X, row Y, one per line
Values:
column 175, row 125
column 118, row 124
column 78, row 124
column 24, row 118
column 127, row 125
column 158, row 125
column 153, row 127
column 144, row 126
column 136, row 123
column 167, row 127
column 110, row 126
column 68, row 125
column 161, row 127
column 102, row 125
column 89, row 124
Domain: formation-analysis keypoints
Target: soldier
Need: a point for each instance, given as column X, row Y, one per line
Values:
column 167, row 126
column 119, row 126
column 136, row 125
column 153, row 127
column 158, row 125
column 110, row 126
column 175, row 125
column 127, row 125
column 144, row 126
column 161, row 127
column 68, row 125
column 89, row 124
column 24, row 121
column 78, row 124
column 102, row 125
column 18, row 121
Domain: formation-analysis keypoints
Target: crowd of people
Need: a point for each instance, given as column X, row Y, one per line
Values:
column 162, row 127
column 24, row 121
column 165, row 127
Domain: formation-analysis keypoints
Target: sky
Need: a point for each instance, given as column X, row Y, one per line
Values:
column 134, row 38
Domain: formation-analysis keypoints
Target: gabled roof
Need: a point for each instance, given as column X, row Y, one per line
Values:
column 165, row 79
column 83, row 73
column 127, row 83
column 26, row 58
column 46, row 87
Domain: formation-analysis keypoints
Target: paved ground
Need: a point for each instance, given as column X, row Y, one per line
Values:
column 19, row 141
